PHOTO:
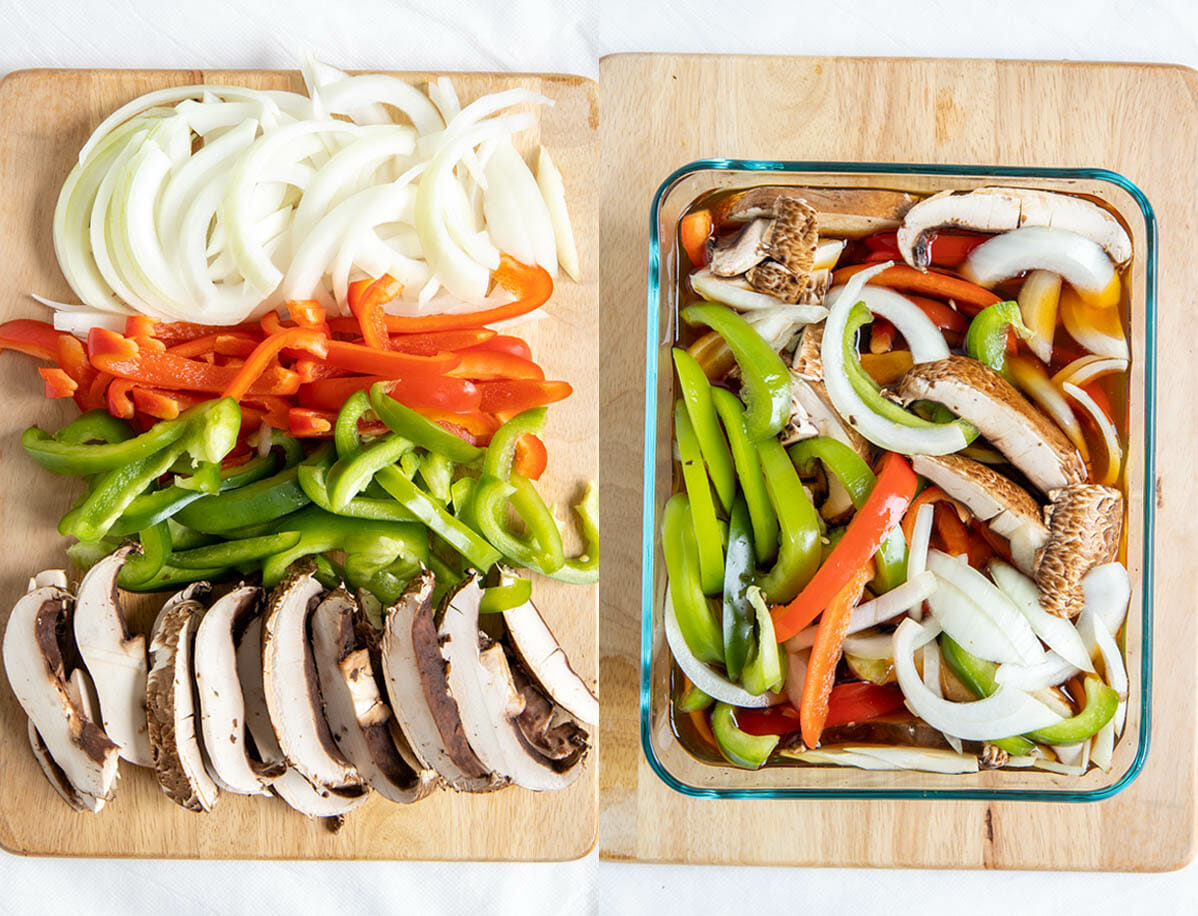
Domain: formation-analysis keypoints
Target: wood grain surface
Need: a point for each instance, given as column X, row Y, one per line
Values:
column 45, row 116
column 660, row 112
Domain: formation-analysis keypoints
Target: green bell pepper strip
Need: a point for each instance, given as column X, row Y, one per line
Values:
column 765, row 669
column 986, row 339
column 693, row 700
column 698, row 489
column 697, row 396
column 170, row 577
column 740, row 748
column 799, row 550
column 765, row 380
column 542, row 548
column 455, row 532
column 748, row 471
column 183, row 538
column 78, row 459
column 406, row 422
column 437, row 473
column 95, row 426
column 144, row 566
column 867, row 389
column 204, row 479
column 312, row 477
column 234, row 553
column 978, row 676
column 460, row 493
column 740, row 569
column 443, row 570
column 409, row 464
column 353, row 470
column 345, row 429
column 498, row 459
column 852, row 471
column 695, row 619
column 584, row 569
column 326, row 572
column 255, row 504
column 506, row 596
column 379, row 542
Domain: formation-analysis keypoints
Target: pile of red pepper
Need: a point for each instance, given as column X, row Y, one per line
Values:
column 294, row 375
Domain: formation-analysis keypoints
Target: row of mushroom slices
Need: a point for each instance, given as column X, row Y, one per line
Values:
column 304, row 692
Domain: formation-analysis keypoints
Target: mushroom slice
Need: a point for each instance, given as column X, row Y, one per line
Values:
column 811, row 398
column 193, row 591
column 547, row 663
column 357, row 715
column 793, row 235
column 977, row 393
column 115, row 659
column 746, row 250
column 55, row 577
column 841, row 212
column 773, row 279
column 1006, row 507
column 290, row 786
column 1085, row 523
column 807, row 363
column 489, row 702
column 56, row 776
column 1003, row 209
column 222, row 702
column 33, row 661
column 171, row 705
column 293, row 689
column 416, row 679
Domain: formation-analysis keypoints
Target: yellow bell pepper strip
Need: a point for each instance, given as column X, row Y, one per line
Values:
column 740, row 569
column 695, row 619
column 989, row 338
column 258, row 503
column 799, row 523
column 882, row 511
column 702, row 507
column 740, row 748
column 748, row 470
column 505, row 596
column 697, row 396
column 423, row 432
column 765, row 380
column 852, row 471
column 765, row 669
column 456, row 533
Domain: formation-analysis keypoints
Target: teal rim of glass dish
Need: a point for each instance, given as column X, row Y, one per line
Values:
column 648, row 514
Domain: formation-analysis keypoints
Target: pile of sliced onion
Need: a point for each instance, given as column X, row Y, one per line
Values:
column 214, row 204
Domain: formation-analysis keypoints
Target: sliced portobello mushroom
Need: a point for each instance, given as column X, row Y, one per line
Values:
column 1085, row 523
column 293, row 689
column 416, row 679
column 745, row 250
column 35, row 644
column 975, row 392
column 222, row 700
column 546, row 662
column 171, row 704
column 82, row 693
column 1003, row 209
column 1005, row 506
column 358, row 717
column 55, row 577
column 115, row 659
column 290, row 785
column 841, row 212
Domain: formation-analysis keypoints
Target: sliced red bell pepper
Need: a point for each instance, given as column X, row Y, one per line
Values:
column 32, row 337
column 960, row 541
column 847, row 703
column 362, row 358
column 531, row 457
column 504, row 343
column 226, row 344
column 366, row 302
column 516, row 395
column 882, row 511
column 531, row 285
column 95, row 398
column 694, row 230
column 474, row 427
column 307, row 313
column 312, row 370
column 453, row 395
column 440, row 341
column 305, row 422
column 945, row 249
column 265, row 353
column 929, row 495
column 165, row 405
column 482, row 365
column 124, row 358
column 58, row 383
column 970, row 297
column 119, row 402
column 176, row 332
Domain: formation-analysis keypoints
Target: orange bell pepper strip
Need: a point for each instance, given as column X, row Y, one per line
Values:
column 312, row 370
column 882, row 510
column 58, row 383
column 453, row 395
column 515, row 395
column 363, row 358
column 120, row 404
column 952, row 532
column 306, row 422
column 366, row 302
column 694, row 230
column 505, row 343
column 531, row 285
column 483, row 364
column 531, row 457
column 825, row 654
column 264, row 354
column 970, row 297
column 125, row 358
column 440, row 341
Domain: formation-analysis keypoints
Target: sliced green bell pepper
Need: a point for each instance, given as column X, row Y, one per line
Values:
column 693, row 700
column 93, row 427
column 748, row 471
column 740, row 748
column 698, row 490
column 505, row 596
column 542, row 548
column 799, row 549
column 697, row 396
column 234, row 553
column 255, row 504
column 986, row 339
column 437, row 473
column 355, row 469
column 695, row 619
column 765, row 669
column 978, row 675
column 144, row 566
column 497, row 461
column 346, row 437
column 312, row 478
column 406, row 422
column 740, row 569
column 1101, row 703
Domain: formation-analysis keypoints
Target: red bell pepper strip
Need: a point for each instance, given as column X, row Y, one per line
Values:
column 944, row 249
column 453, row 395
column 852, row 702
column 362, row 358
column 531, row 285
column 58, row 383
column 366, row 302
column 95, row 398
column 474, row 426
column 164, row 405
column 305, row 422
column 124, row 358
column 176, row 332
column 440, row 341
column 970, row 297
column 531, row 457
column 694, row 230
column 516, row 395
column 33, row 338
column 504, row 343
column 960, row 541
column 264, row 354
column 483, row 365
column 312, row 370
column 119, row 402
column 882, row 511
column 307, row 313
column 223, row 343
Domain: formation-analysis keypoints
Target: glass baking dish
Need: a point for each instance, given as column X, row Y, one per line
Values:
column 673, row 762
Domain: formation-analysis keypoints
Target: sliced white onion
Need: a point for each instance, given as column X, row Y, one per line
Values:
column 736, row 293
column 876, row 757
column 80, row 321
column 512, row 192
column 1051, row 672
column 1058, row 633
column 931, row 680
column 873, row 646
column 977, row 615
column 924, row 339
column 1004, row 713
column 1078, row 259
column 1102, row 750
column 553, row 190
column 778, row 325
column 1107, row 593
column 1110, row 438
column 712, row 683
column 355, row 93
column 827, row 253
column 921, row 534
column 1039, row 297
column 868, row 614
column 934, row 440
column 1085, row 369
column 1035, row 383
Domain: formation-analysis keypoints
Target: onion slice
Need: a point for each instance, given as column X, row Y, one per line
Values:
column 1086, row 369
column 1039, row 297
column 1035, row 383
column 553, row 190
column 1080, row 260
column 713, row 684
column 1110, row 438
column 925, row 340
column 1058, row 633
column 733, row 292
column 868, row 614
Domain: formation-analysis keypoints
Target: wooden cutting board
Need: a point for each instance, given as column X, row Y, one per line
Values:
column 45, row 116
column 660, row 112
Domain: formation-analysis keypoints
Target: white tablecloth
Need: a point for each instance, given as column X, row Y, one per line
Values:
column 566, row 35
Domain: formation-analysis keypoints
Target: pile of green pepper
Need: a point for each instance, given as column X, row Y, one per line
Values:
column 371, row 511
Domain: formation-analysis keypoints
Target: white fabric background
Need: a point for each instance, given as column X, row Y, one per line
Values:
column 568, row 36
